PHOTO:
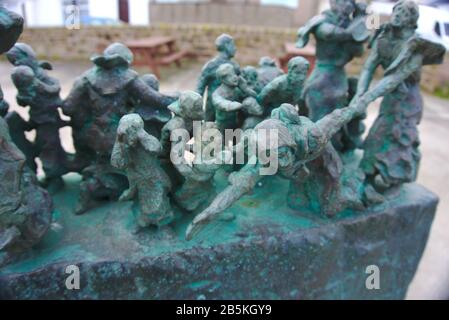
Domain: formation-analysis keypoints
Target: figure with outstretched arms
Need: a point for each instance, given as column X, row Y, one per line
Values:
column 96, row 103
column 339, row 33
column 391, row 150
column 299, row 141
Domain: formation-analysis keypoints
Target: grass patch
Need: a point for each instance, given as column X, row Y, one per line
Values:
column 442, row 92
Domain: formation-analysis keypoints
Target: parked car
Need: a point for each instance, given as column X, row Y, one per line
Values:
column 99, row 21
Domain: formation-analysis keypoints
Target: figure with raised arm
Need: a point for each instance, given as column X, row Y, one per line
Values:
column 153, row 118
column 96, row 103
column 391, row 150
column 41, row 93
column 287, row 88
column 299, row 141
column 340, row 34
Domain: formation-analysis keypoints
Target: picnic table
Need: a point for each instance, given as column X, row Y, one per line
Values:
column 291, row 51
column 155, row 52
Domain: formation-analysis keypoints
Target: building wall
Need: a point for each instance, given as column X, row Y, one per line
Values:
column 49, row 13
column 44, row 13
column 252, row 42
column 139, row 12
column 305, row 10
column 104, row 9
column 235, row 13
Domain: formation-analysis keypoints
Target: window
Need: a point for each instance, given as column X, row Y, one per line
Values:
column 437, row 29
column 446, row 29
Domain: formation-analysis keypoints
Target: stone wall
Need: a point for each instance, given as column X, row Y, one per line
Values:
column 252, row 43
column 239, row 13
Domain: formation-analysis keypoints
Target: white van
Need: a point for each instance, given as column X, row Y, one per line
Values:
column 433, row 23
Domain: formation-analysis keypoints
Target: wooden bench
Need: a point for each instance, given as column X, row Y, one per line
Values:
column 155, row 52
column 174, row 58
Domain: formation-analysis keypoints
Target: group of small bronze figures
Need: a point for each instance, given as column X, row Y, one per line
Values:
column 123, row 127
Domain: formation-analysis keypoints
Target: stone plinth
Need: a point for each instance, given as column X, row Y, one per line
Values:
column 268, row 252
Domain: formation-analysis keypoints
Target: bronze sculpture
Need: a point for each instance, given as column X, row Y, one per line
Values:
column 96, row 103
column 25, row 208
column 340, row 33
column 228, row 99
column 268, row 71
column 299, row 142
column 40, row 92
column 311, row 201
column 208, row 80
column 135, row 151
column 287, row 88
column 391, row 154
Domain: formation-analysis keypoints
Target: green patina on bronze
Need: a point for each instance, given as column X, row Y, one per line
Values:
column 391, row 150
column 267, row 71
column 40, row 92
column 286, row 88
column 11, row 27
column 208, row 79
column 136, row 152
column 196, row 188
column 273, row 252
column 340, row 34
column 25, row 208
column 307, row 231
column 95, row 104
column 231, row 97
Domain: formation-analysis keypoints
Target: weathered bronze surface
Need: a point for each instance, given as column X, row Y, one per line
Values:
column 25, row 208
column 268, row 170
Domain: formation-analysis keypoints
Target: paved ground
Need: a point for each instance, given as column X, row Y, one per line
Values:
column 432, row 279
